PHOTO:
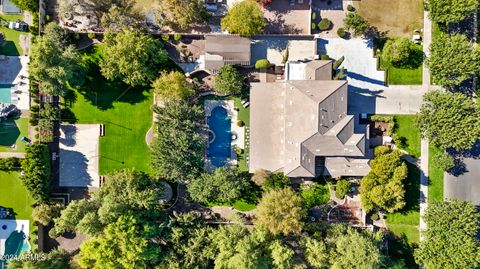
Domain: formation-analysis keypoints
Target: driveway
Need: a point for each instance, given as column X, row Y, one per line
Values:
column 284, row 18
column 274, row 48
column 368, row 93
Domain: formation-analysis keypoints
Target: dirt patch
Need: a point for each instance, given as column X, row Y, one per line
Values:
column 25, row 43
column 399, row 18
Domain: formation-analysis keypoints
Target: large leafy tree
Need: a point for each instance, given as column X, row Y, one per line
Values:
column 132, row 56
column 54, row 64
column 281, row 255
column 45, row 213
column 402, row 52
column 228, row 81
column 450, row 240
column 173, row 86
column 244, row 18
column 280, row 211
column 382, row 187
column 126, row 243
column 453, row 59
column 449, row 120
column 223, row 186
column 182, row 13
column 315, row 252
column 448, row 11
column 55, row 259
column 36, row 171
column 177, row 150
column 353, row 21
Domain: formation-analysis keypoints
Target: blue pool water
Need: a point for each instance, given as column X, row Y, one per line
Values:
column 5, row 93
column 220, row 137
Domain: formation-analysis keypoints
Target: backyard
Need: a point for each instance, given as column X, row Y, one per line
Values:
column 11, row 132
column 397, row 18
column 12, row 46
column 125, row 111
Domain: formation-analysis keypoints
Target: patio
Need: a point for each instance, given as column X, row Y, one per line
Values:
column 286, row 18
column 13, row 71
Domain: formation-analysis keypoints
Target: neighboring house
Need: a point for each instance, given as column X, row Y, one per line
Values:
column 300, row 126
column 222, row 50
column 7, row 7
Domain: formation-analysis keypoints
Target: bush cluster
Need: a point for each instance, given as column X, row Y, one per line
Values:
column 324, row 24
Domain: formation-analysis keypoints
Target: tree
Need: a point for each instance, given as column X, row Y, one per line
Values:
column 173, row 85
column 450, row 240
column 30, row 5
column 228, row 81
column 45, row 213
column 53, row 64
column 449, row 11
column 124, row 244
column 315, row 194
column 262, row 64
column 316, row 252
column 444, row 161
column 276, row 181
column 244, row 18
column 342, row 188
column 353, row 21
column 280, row 212
column 449, row 120
column 118, row 18
column 71, row 216
column 281, row 255
column 402, row 52
column 177, row 126
column 182, row 13
column 382, row 187
column 36, row 171
column 55, row 259
column 453, row 59
column 223, row 186
column 132, row 56
column 260, row 176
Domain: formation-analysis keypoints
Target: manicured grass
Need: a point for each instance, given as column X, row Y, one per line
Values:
column 435, row 177
column 13, row 194
column 240, row 205
column 406, row 221
column 402, row 76
column 124, row 110
column 11, row 131
column 398, row 18
column 405, row 127
column 12, row 47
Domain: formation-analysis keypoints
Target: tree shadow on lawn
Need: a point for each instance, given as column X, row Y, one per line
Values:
column 400, row 249
column 412, row 189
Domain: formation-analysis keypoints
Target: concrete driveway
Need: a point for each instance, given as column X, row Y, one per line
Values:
column 368, row 93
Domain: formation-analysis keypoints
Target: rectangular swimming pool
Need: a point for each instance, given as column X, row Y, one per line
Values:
column 220, row 136
column 5, row 93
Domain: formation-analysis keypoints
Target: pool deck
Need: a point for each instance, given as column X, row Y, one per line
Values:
column 12, row 225
column 14, row 71
column 229, row 105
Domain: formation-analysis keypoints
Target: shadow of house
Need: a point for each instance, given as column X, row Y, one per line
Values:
column 362, row 100
column 8, row 48
column 10, row 67
column 327, row 4
column 9, row 132
column 69, row 131
column 74, row 169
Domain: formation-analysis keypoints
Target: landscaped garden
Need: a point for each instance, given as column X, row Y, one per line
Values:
column 11, row 132
column 124, row 110
column 12, row 46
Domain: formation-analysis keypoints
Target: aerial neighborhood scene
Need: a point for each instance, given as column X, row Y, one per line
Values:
column 239, row 134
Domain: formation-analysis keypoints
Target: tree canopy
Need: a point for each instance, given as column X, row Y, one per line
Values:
column 353, row 21
column 177, row 150
column 36, row 171
column 449, row 120
column 30, row 5
column 223, row 186
column 244, row 18
column 382, row 187
column 402, row 52
column 55, row 259
column 173, row 86
column 280, row 211
column 448, row 11
column 228, row 81
column 132, row 56
column 182, row 13
column 450, row 240
column 453, row 59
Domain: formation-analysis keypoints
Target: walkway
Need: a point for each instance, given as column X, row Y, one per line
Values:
column 427, row 40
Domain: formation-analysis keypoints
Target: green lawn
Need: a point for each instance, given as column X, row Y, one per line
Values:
column 11, row 131
column 406, row 221
column 402, row 76
column 14, row 195
column 125, row 111
column 405, row 127
column 435, row 177
column 12, row 46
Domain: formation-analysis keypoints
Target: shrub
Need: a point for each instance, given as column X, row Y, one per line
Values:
column 240, row 123
column 324, row 24
column 177, row 37
column 357, row 23
column 8, row 164
column 165, row 37
column 314, row 15
column 383, row 118
column 33, row 121
column 374, row 217
column 400, row 141
column 381, row 150
column 338, row 62
column 34, row 108
column 350, row 8
column 342, row 188
column 260, row 176
column 238, row 150
column 91, row 35
column 276, row 181
column 341, row 32
column 262, row 64
column 444, row 161
column 47, row 18
column 402, row 52
column 314, row 26
column 315, row 194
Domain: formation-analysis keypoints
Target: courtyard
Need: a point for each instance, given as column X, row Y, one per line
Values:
column 14, row 81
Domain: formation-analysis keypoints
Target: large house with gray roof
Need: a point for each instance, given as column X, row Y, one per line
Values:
column 300, row 126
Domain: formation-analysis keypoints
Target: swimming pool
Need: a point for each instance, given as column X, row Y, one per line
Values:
column 220, row 137
column 5, row 93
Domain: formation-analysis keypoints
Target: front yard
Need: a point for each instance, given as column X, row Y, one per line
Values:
column 405, row 127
